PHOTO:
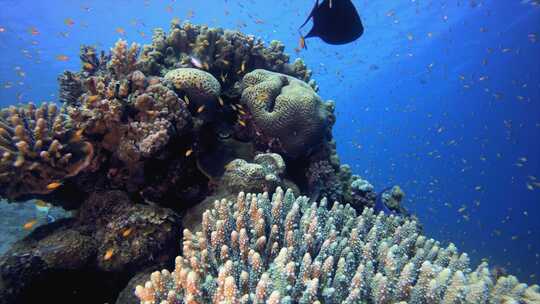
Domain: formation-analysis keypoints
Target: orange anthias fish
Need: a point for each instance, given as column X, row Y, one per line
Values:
column 33, row 31
column 62, row 58
column 108, row 254
column 120, row 31
column 69, row 22
column 302, row 43
column 28, row 225
column 53, row 185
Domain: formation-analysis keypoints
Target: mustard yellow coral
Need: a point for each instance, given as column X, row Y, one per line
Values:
column 39, row 149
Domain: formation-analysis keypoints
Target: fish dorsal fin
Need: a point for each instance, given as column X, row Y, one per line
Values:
column 310, row 14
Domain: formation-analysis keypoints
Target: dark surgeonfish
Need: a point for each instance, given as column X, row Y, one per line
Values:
column 334, row 21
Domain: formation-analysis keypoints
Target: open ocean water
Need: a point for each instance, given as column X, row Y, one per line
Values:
column 439, row 97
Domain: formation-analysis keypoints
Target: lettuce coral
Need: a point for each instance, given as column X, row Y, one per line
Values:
column 288, row 250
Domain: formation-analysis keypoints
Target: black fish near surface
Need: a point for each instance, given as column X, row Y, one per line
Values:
column 335, row 22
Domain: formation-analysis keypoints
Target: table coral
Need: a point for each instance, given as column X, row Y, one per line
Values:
column 286, row 110
column 288, row 250
column 39, row 150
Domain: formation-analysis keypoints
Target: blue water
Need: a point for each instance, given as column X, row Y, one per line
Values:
column 440, row 97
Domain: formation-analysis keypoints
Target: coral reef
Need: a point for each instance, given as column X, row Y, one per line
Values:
column 148, row 137
column 226, row 54
column 40, row 149
column 287, row 250
column 108, row 241
column 285, row 110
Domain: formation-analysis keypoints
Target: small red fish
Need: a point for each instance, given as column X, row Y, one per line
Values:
column 120, row 31
column 302, row 43
column 29, row 225
column 69, row 22
column 62, row 58
column 33, row 31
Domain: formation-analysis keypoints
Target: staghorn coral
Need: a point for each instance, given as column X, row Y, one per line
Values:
column 288, row 250
column 200, row 86
column 225, row 53
column 285, row 110
column 40, row 149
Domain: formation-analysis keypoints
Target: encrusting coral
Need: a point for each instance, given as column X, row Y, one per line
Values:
column 39, row 150
column 288, row 250
column 285, row 110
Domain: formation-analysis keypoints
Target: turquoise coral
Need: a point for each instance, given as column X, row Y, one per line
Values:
column 288, row 250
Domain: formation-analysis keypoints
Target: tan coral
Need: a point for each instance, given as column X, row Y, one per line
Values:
column 123, row 58
column 285, row 109
column 228, row 54
column 39, row 150
column 200, row 86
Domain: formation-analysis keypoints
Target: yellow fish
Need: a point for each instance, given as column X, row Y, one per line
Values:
column 53, row 185
column 108, row 254
column 127, row 232
column 188, row 152
column 29, row 224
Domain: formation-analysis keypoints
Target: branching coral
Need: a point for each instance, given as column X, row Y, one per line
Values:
column 39, row 150
column 286, row 110
column 225, row 53
column 123, row 58
column 287, row 250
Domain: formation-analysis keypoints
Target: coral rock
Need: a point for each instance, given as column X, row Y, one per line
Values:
column 288, row 250
column 264, row 174
column 39, row 149
column 286, row 110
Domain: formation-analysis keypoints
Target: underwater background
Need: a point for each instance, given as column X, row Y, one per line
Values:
column 440, row 97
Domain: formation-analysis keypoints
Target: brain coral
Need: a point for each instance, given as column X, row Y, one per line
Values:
column 286, row 110
column 288, row 250
column 39, row 149
column 264, row 174
column 200, row 86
